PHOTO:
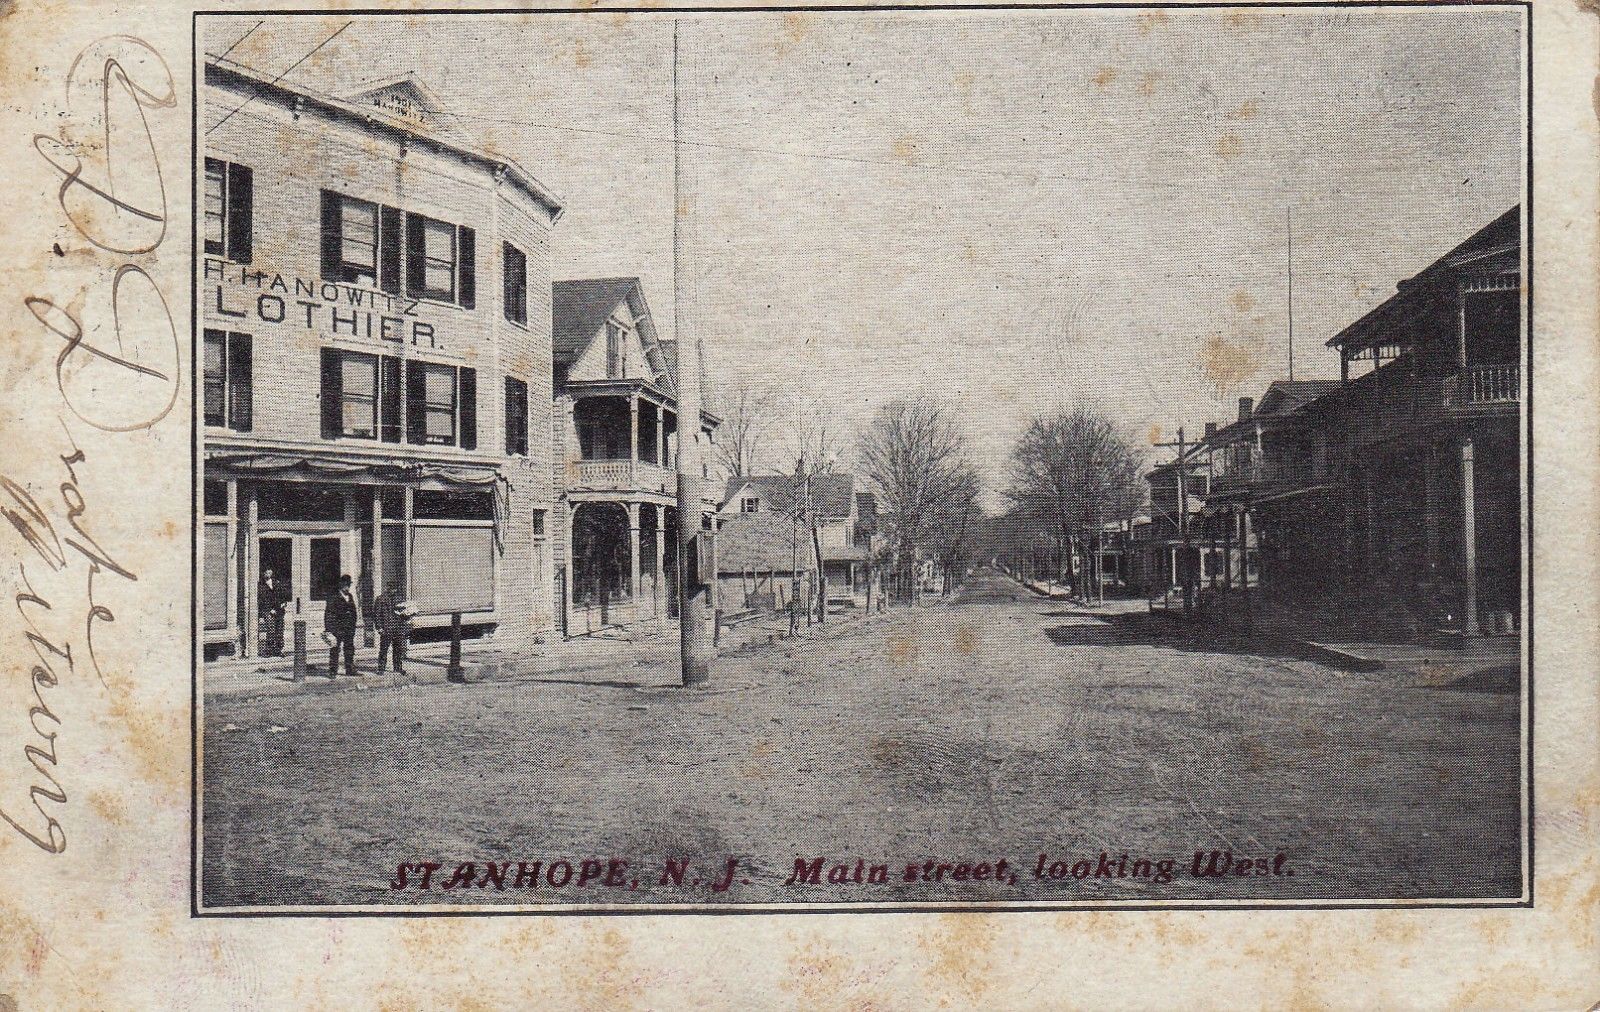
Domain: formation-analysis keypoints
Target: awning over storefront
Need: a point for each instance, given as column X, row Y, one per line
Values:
column 417, row 474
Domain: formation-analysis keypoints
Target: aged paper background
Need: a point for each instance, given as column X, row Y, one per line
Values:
column 106, row 922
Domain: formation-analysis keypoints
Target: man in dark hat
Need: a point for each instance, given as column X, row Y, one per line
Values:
column 272, row 596
column 339, row 622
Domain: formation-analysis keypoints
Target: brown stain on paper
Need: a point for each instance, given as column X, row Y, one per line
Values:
column 1228, row 364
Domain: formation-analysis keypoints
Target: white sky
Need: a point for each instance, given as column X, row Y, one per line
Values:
column 1015, row 211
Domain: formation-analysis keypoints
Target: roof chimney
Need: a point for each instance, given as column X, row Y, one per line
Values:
column 1211, row 429
column 1246, row 405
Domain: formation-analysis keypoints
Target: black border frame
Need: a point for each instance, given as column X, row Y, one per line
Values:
column 1526, row 902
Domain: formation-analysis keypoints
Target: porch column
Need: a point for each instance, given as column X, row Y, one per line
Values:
column 661, row 448
column 1227, row 549
column 633, row 442
column 1430, row 512
column 379, row 579
column 1370, row 503
column 660, row 553
column 633, row 544
column 407, row 507
column 1469, row 539
column 571, row 510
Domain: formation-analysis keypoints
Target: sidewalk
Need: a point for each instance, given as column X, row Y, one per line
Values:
column 1483, row 663
column 643, row 656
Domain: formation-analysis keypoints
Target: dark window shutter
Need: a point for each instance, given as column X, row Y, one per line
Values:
column 389, row 411
column 508, row 284
column 332, row 394
column 467, row 253
column 416, row 425
column 467, row 392
column 516, row 417
column 391, row 240
column 240, row 395
column 240, row 201
column 332, row 235
column 415, row 275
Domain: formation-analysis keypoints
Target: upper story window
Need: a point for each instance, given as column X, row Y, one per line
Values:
column 228, row 210
column 516, row 277
column 516, row 417
column 750, row 504
column 358, row 249
column 361, row 395
column 227, row 380
column 359, row 402
column 399, row 252
column 613, row 350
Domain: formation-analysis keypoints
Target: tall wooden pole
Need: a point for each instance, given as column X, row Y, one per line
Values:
column 694, row 581
column 1288, row 225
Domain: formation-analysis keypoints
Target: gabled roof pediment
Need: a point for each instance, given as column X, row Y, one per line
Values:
column 405, row 98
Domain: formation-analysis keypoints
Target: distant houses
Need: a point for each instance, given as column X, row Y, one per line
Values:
column 766, row 546
column 1388, row 501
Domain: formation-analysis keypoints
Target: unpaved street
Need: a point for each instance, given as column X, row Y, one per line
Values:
column 998, row 727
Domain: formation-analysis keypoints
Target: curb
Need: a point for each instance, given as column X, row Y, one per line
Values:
column 1333, row 656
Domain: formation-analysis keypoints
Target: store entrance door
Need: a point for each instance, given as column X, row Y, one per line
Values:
column 309, row 565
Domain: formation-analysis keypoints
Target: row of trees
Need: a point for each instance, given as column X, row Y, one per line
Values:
column 1070, row 476
column 911, row 455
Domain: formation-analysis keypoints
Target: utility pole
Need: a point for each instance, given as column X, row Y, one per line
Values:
column 1186, row 569
column 694, row 583
column 1288, row 224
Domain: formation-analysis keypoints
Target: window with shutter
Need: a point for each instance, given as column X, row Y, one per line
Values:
column 516, row 284
column 226, row 381
column 354, row 242
column 227, row 211
column 241, row 406
column 390, row 412
column 468, row 390
column 439, row 403
column 516, row 417
column 216, row 378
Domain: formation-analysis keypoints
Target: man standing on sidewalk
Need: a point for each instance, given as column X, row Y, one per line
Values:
column 394, row 627
column 271, row 599
column 339, row 621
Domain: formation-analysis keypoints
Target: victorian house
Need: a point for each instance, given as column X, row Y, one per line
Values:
column 614, row 446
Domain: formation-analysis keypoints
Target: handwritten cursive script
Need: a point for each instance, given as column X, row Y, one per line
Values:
column 112, row 194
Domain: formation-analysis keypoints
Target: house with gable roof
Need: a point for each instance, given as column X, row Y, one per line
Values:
column 615, row 455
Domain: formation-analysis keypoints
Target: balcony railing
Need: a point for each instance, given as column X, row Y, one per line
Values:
column 1485, row 384
column 625, row 476
column 1260, row 470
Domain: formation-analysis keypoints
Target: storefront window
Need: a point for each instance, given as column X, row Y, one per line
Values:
column 430, row 505
column 216, row 499
column 283, row 500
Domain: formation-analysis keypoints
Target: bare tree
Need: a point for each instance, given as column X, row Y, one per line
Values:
column 1076, row 472
column 914, row 455
column 812, row 444
column 744, row 424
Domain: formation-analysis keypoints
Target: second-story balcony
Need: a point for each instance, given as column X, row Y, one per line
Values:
column 1484, row 387
column 622, row 475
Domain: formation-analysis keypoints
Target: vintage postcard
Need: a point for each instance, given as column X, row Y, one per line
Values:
column 997, row 502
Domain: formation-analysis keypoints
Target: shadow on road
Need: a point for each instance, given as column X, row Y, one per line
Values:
column 1146, row 630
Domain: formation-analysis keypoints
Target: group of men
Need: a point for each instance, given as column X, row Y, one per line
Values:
column 339, row 620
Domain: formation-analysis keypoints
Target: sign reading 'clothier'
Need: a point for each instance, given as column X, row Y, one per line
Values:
column 328, row 307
